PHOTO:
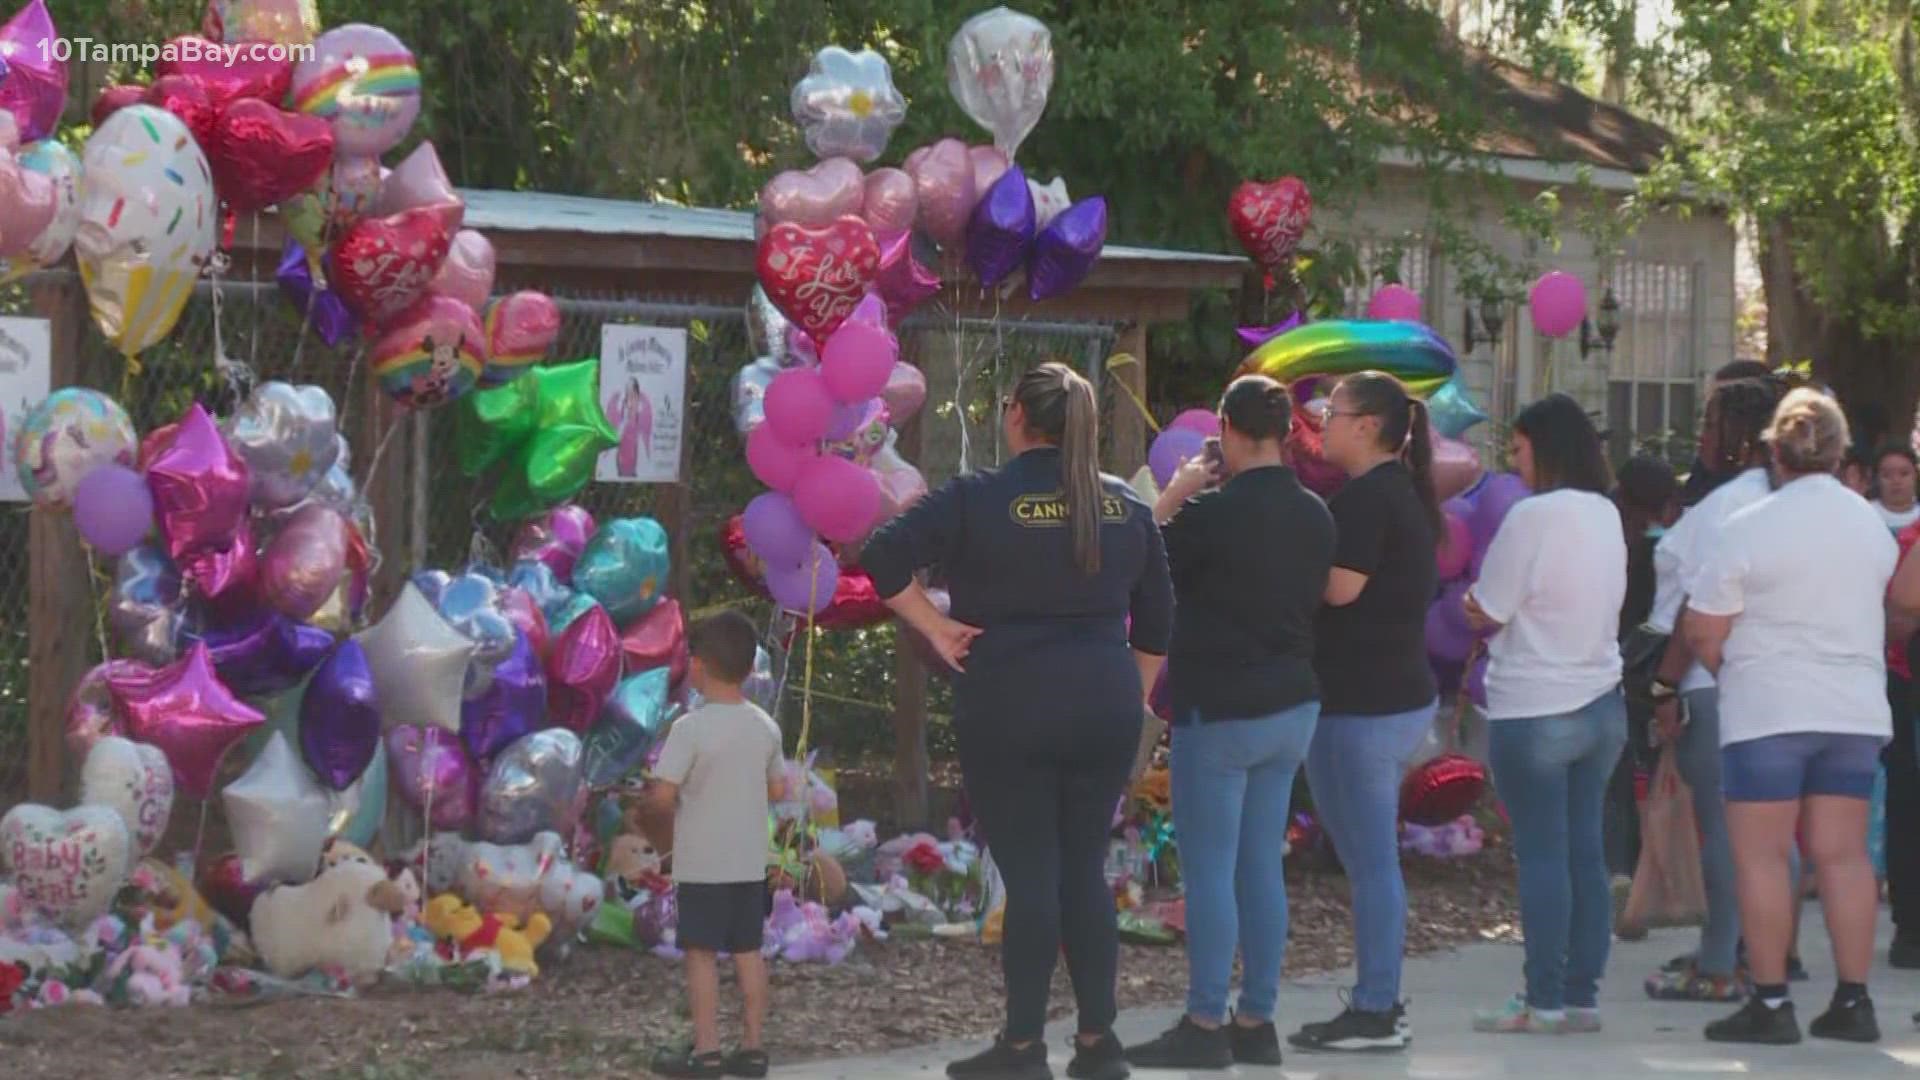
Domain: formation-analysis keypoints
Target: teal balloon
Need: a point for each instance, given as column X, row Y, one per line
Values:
column 365, row 815
column 571, row 608
column 624, row 566
column 629, row 724
column 1453, row 409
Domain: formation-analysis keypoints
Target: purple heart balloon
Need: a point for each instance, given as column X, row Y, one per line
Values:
column 267, row 654
column 514, row 704
column 1066, row 250
column 340, row 718
column 428, row 765
column 322, row 307
column 1001, row 229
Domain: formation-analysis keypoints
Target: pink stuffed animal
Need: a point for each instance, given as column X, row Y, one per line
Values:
column 154, row 976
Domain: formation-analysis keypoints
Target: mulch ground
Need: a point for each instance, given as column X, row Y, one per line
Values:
column 601, row 1012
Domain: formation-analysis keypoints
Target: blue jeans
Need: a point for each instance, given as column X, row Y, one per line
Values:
column 1698, row 756
column 1232, row 791
column 1551, row 771
column 1355, row 769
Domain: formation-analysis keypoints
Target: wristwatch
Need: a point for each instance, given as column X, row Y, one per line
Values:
column 1662, row 690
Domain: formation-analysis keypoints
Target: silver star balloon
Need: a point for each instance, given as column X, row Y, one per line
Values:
column 287, row 436
column 847, row 104
column 146, row 607
column 1000, row 70
column 419, row 664
column 279, row 815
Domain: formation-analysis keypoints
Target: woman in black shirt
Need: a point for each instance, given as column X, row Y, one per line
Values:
column 1377, row 692
column 1044, row 560
column 1249, row 562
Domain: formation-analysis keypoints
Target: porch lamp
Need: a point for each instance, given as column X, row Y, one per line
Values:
column 1609, row 326
column 1493, row 316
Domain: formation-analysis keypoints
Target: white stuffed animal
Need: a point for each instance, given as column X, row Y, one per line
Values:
column 343, row 917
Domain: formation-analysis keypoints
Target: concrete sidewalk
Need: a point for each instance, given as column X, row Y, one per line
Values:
column 1643, row 1038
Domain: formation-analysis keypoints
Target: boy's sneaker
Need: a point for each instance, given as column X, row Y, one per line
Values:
column 1186, row 1045
column 1583, row 1021
column 1003, row 1062
column 682, row 1062
column 1689, row 983
column 1356, row 1029
column 1854, row 1022
column 1254, row 1044
column 1103, row 1060
column 1516, row 1017
column 1756, row 1023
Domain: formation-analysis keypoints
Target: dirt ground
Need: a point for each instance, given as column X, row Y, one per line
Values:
column 601, row 1012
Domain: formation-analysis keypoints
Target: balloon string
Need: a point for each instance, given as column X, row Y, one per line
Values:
column 99, row 617
column 348, row 396
column 1115, row 363
column 200, row 834
column 960, row 380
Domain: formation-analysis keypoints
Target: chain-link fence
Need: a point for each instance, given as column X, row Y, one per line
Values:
column 968, row 363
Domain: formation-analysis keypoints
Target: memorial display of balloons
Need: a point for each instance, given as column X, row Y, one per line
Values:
column 200, row 490
column 420, row 181
column 901, row 281
column 278, row 814
column 428, row 767
column 227, row 77
column 188, row 98
column 467, row 275
column 847, row 105
column 1000, row 70
column 65, row 437
column 135, row 781
column 582, row 669
column 556, row 538
column 853, row 603
column 1269, row 219
column 65, row 864
column 145, row 607
column 148, row 223
column 889, row 202
column 513, row 704
column 287, row 436
column 284, row 22
column 635, row 717
column 1410, row 352
column 1558, row 302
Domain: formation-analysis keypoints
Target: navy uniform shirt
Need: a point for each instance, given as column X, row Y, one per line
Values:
column 1001, row 542
column 1250, row 562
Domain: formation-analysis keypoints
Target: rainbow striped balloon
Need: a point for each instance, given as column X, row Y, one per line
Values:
column 363, row 81
column 1409, row 351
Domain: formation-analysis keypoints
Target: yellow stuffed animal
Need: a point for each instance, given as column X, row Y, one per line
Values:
column 467, row 930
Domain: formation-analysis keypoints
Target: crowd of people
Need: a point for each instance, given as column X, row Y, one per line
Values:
column 1753, row 611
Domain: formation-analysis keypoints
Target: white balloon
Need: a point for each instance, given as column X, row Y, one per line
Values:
column 67, row 864
column 135, row 781
column 1000, row 70
column 419, row 664
column 279, row 814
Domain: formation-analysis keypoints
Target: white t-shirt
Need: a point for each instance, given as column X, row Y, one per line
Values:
column 1804, row 574
column 1554, row 578
column 1686, row 548
column 722, row 756
column 1897, row 519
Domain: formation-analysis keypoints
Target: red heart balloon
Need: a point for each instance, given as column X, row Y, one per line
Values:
column 185, row 97
column 246, row 76
column 657, row 639
column 1270, row 218
column 817, row 275
column 113, row 99
column 382, row 265
column 262, row 155
column 1442, row 789
column 856, row 603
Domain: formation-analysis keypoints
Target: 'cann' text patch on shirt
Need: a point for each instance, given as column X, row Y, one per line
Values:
column 1034, row 511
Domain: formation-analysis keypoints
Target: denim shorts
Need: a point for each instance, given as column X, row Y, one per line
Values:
column 1782, row 768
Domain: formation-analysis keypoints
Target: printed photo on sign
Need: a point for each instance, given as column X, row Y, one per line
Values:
column 643, row 388
column 26, row 347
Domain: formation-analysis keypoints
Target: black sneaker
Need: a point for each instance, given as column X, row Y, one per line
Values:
column 1356, row 1029
column 1756, row 1023
column 1254, row 1044
column 1104, row 1060
column 1003, row 1062
column 683, row 1062
column 1905, row 951
column 1186, row 1045
column 1847, row 1023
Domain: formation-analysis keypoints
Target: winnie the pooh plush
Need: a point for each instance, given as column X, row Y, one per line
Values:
column 465, row 931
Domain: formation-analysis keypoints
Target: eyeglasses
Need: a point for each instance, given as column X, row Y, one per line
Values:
column 1331, row 413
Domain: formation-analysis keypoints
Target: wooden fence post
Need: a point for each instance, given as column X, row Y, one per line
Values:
column 910, row 764
column 1128, row 425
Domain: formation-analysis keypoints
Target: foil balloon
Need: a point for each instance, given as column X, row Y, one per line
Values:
column 944, row 187
column 555, row 538
column 34, row 90
column 320, row 306
column 363, row 81
column 766, row 328
column 847, row 105
column 1453, row 409
column 520, row 328
column 283, row 22
column 989, row 165
column 112, row 99
column 748, row 391
column 278, row 815
column 420, row 180
column 818, row 275
column 186, row 97
column 340, row 718
column 1456, row 467
column 428, row 768
column 264, row 654
column 133, row 780
column 815, row 197
column 1000, row 70
column 148, row 223
column 901, row 281
column 1049, row 200
column 1410, row 352
column 632, row 721
column 582, row 670
column 186, row 711
column 1255, row 336
column 286, row 435
column 906, row 391
column 52, row 159
column 1065, row 251
column 1270, row 219
column 1442, row 789
column 200, row 488
column 66, row 436
column 145, row 606
column 624, row 567
column 67, row 865
column 526, row 617
column 27, row 205
column 890, row 202
column 563, row 616
column 467, row 275
column 419, row 664
column 657, row 639
column 262, row 155
column 433, row 353
column 541, row 585
column 382, row 266
column 1001, row 231
column 228, row 77
column 470, row 603
column 534, row 785
column 513, row 704
column 90, row 716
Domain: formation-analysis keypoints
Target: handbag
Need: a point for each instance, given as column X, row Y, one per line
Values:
column 1668, row 889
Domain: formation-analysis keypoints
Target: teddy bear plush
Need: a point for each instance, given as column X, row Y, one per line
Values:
column 465, row 931
column 342, row 917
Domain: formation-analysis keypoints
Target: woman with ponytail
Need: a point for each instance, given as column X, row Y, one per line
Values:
column 1045, row 559
column 1377, row 692
column 1249, row 561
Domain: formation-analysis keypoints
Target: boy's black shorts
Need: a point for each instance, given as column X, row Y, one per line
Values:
column 721, row 918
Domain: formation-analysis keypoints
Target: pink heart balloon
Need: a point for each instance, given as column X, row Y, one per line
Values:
column 519, row 328
column 467, row 275
column 816, row 197
column 943, row 179
column 419, row 181
column 27, row 203
column 891, row 201
column 988, row 164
